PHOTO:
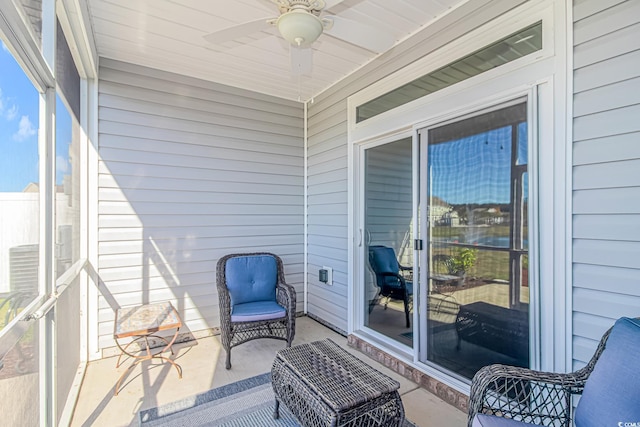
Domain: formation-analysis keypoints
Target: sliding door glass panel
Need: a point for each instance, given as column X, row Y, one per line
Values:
column 388, row 240
column 477, row 311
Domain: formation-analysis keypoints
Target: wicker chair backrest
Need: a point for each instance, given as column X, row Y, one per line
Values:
column 383, row 260
column 251, row 278
column 611, row 395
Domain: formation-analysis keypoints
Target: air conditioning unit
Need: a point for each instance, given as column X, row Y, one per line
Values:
column 23, row 269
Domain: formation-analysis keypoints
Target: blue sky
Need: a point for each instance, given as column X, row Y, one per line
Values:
column 19, row 102
column 475, row 169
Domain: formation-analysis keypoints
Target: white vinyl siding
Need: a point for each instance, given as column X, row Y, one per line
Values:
column 328, row 162
column 327, row 214
column 190, row 171
column 606, row 165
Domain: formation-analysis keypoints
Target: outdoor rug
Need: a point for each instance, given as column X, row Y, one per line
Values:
column 246, row 403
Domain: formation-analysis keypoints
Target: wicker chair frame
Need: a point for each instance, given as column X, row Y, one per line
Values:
column 236, row 333
column 541, row 398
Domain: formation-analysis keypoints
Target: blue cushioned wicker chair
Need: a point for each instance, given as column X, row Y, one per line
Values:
column 255, row 301
column 505, row 396
column 392, row 284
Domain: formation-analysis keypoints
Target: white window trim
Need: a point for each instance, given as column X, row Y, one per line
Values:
column 23, row 47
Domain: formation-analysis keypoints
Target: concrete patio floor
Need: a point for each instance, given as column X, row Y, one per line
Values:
column 149, row 385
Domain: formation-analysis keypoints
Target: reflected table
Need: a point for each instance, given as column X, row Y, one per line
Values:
column 496, row 328
column 143, row 323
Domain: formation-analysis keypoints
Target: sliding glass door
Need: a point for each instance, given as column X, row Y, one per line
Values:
column 474, row 205
column 387, row 240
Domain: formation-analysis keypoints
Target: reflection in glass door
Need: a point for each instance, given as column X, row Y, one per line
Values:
column 388, row 240
column 476, row 188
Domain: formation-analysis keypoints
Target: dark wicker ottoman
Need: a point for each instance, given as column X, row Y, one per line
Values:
column 323, row 385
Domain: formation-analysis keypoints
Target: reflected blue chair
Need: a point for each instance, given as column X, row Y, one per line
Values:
column 390, row 281
column 508, row 396
column 255, row 302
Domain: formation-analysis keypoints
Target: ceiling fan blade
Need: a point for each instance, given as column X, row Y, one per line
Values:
column 331, row 3
column 238, row 31
column 301, row 60
column 362, row 35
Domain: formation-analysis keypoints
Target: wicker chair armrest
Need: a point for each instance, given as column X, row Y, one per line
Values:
column 286, row 296
column 224, row 298
column 524, row 394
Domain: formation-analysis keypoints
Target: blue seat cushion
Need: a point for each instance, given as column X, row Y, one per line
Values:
column 482, row 420
column 256, row 311
column 611, row 396
column 251, row 278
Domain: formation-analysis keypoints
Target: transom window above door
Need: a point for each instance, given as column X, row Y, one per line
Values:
column 510, row 48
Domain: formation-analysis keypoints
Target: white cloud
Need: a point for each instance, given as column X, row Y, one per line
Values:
column 4, row 47
column 11, row 113
column 8, row 113
column 25, row 129
column 62, row 165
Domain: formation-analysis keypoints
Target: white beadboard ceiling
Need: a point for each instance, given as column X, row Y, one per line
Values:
column 168, row 35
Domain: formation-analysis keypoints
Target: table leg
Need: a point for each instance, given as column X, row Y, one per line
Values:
column 135, row 362
column 148, row 355
column 276, row 412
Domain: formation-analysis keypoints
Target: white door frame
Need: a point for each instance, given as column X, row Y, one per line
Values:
column 543, row 73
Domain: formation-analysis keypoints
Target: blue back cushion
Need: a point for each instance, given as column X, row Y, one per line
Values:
column 611, row 395
column 383, row 260
column 251, row 278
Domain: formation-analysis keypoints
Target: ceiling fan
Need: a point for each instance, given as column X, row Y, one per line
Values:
column 301, row 22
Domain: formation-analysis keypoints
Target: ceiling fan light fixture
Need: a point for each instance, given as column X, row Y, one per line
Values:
column 299, row 27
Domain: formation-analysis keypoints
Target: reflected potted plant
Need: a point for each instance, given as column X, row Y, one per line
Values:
column 461, row 262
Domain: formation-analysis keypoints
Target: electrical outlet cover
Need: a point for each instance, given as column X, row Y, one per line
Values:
column 329, row 275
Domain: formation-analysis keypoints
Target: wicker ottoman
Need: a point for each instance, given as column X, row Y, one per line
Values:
column 323, row 385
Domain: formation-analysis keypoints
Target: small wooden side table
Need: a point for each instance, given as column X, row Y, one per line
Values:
column 141, row 323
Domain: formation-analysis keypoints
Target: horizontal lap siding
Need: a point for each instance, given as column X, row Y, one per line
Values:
column 327, row 214
column 606, row 169
column 190, row 171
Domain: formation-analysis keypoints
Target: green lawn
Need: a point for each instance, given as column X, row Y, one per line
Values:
column 458, row 232
column 490, row 264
